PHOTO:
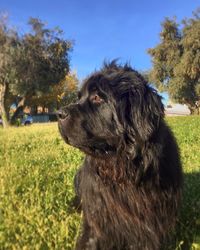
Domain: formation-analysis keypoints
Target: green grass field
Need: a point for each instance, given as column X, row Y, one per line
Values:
column 36, row 187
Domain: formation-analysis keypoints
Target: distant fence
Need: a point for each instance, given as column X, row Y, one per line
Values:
column 40, row 118
column 176, row 113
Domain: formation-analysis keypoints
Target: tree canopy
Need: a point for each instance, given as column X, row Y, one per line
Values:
column 31, row 64
column 176, row 60
column 60, row 94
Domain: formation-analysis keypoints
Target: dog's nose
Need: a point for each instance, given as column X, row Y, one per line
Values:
column 62, row 114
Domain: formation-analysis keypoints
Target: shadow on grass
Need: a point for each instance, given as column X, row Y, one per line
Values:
column 187, row 233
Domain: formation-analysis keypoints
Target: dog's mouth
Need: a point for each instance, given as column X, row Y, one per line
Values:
column 94, row 147
column 97, row 152
column 62, row 132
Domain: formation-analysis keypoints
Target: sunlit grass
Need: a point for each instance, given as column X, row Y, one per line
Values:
column 36, row 186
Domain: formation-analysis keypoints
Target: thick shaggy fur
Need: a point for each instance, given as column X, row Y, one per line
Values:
column 130, row 182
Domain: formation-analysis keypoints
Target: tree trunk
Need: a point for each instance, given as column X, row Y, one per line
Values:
column 19, row 109
column 4, row 115
column 194, row 110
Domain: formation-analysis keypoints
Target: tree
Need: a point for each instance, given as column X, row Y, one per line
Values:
column 8, row 45
column 176, row 61
column 69, row 95
column 41, row 63
column 60, row 94
column 30, row 64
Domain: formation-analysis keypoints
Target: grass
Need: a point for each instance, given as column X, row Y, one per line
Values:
column 36, row 187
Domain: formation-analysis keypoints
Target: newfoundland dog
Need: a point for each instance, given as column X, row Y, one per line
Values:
column 129, row 185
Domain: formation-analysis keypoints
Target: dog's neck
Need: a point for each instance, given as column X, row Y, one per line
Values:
column 115, row 169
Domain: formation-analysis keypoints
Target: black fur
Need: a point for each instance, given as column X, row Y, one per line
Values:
column 129, row 185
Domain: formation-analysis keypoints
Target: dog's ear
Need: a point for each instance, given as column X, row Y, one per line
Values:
column 147, row 111
column 142, row 110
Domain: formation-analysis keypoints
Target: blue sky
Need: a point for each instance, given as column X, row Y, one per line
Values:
column 105, row 29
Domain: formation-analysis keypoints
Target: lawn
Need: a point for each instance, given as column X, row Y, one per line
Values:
column 36, row 187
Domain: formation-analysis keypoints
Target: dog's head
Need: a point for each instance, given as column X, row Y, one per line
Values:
column 116, row 110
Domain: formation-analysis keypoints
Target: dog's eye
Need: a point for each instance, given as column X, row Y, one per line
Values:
column 96, row 99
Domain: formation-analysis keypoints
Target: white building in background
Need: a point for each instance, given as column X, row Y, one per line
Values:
column 176, row 109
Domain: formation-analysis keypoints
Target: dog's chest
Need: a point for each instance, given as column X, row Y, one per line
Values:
column 104, row 203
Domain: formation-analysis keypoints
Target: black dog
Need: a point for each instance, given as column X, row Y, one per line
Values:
column 130, row 183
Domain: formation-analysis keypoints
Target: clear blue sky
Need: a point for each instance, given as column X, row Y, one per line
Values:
column 103, row 29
